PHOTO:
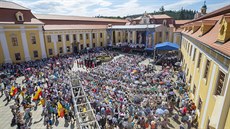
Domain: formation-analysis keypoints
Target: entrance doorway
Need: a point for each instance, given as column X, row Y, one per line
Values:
column 75, row 47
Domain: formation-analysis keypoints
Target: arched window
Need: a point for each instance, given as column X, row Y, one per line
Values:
column 14, row 40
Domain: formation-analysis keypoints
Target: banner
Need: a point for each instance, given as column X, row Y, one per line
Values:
column 149, row 39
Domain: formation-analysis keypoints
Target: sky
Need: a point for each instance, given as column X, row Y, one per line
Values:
column 114, row 7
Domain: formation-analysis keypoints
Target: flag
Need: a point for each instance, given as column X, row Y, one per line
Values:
column 13, row 91
column 37, row 94
column 61, row 111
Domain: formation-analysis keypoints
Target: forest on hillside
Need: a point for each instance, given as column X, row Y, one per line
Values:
column 182, row 14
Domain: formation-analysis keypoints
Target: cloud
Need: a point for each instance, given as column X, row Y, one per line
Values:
column 180, row 4
column 213, row 7
column 107, row 7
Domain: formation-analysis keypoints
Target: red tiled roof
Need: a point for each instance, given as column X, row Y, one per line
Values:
column 217, row 12
column 211, row 37
column 11, row 5
column 160, row 16
column 74, row 27
column 75, row 18
column 181, row 21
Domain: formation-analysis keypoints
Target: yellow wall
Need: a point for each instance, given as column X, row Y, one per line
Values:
column 33, row 47
column 204, row 83
column 15, row 49
column 1, row 55
column 49, row 45
column 227, row 124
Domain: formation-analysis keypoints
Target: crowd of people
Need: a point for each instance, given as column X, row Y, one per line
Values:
column 123, row 92
column 128, row 95
column 43, row 83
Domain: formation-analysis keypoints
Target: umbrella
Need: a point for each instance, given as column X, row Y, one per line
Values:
column 27, row 69
column 171, row 93
column 184, row 118
column 178, row 64
column 136, row 82
column 159, row 111
column 144, row 83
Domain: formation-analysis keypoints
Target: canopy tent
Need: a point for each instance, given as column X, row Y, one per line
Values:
column 168, row 46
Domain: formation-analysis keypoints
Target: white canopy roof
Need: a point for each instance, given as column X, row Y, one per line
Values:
column 135, row 26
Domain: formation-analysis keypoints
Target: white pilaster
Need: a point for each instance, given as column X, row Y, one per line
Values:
column 84, row 38
column 63, row 43
column 98, row 41
column 54, row 40
column 91, row 42
column 133, row 36
column 105, row 39
column 25, row 44
column 208, row 96
column 78, row 40
column 128, row 37
column 71, row 41
column 4, row 45
column 43, row 49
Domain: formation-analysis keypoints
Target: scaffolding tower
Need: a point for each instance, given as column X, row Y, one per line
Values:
column 86, row 118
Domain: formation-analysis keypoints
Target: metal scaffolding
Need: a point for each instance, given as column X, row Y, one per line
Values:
column 84, row 112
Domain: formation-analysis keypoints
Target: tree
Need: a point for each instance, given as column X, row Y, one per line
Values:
column 162, row 10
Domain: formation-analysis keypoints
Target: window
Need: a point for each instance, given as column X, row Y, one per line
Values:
column 50, row 52
column 14, row 40
column 60, row 50
column 101, row 44
column 87, row 36
column 68, row 48
column 188, row 48
column 167, row 35
column 160, row 34
column 220, row 83
column 194, row 55
column 19, row 16
column 200, row 104
column 100, row 35
column 82, row 46
column 87, row 45
column 59, row 38
column 35, row 54
column 33, row 39
column 194, row 89
column 190, row 52
column 48, row 38
column 94, row 45
column 199, row 60
column 119, row 34
column 206, row 69
column 81, row 37
column 74, row 37
column 67, row 37
column 190, row 79
column 187, row 71
column 93, row 35
column 17, row 56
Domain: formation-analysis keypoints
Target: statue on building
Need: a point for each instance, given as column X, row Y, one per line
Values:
column 149, row 40
column 139, row 38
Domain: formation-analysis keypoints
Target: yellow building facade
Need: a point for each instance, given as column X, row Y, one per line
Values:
column 206, row 61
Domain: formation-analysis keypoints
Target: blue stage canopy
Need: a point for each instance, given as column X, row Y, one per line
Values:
column 168, row 46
